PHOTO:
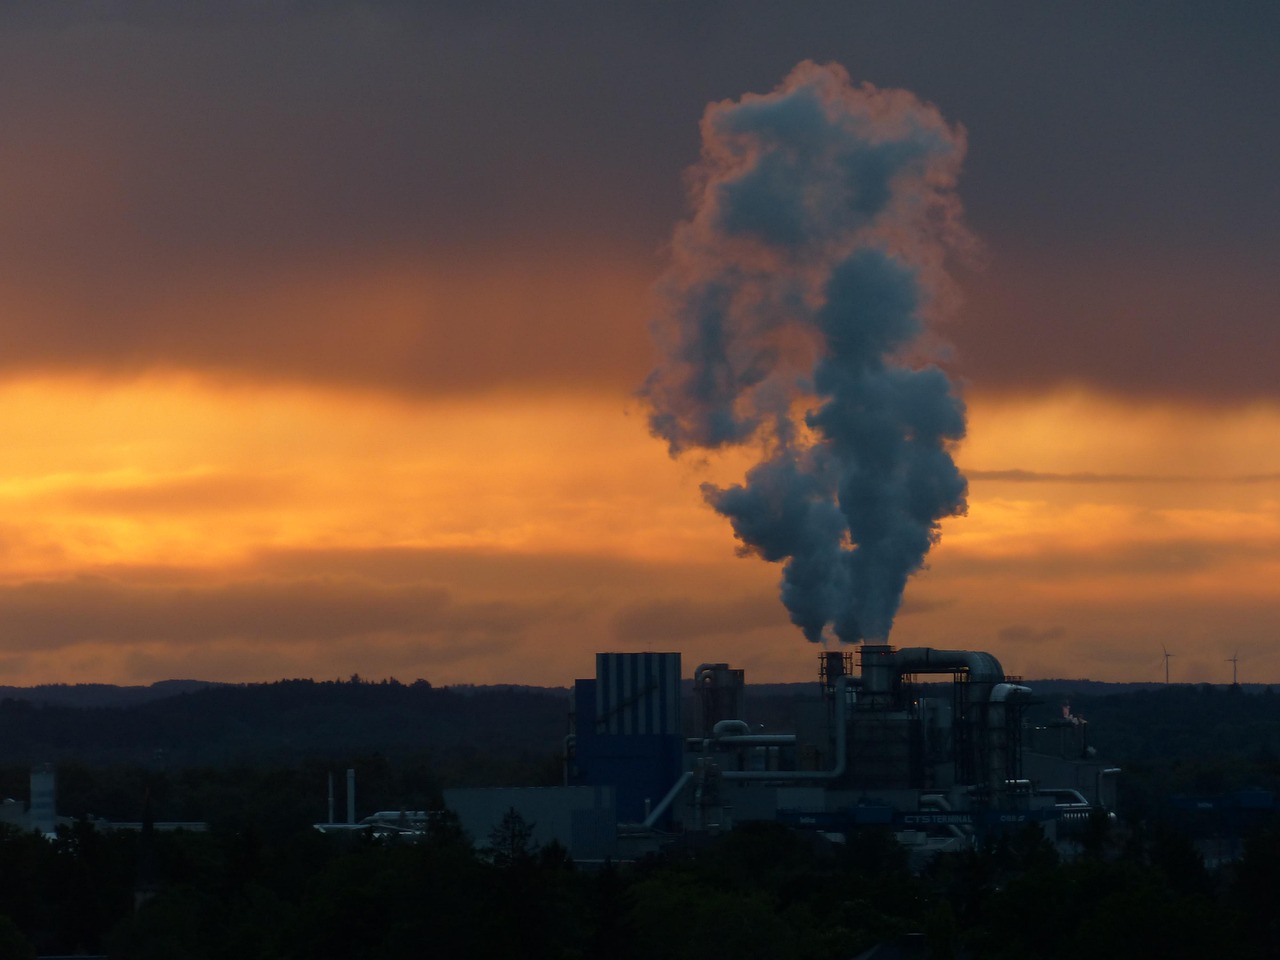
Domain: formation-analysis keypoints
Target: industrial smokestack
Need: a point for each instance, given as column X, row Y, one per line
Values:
column 351, row 795
column 792, row 322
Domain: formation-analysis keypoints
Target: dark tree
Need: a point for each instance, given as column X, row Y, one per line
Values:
column 511, row 841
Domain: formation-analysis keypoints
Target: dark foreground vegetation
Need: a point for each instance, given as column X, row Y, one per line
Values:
column 759, row 892
column 253, row 763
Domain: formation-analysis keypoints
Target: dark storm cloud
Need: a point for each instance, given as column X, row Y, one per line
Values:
column 1159, row 560
column 53, row 614
column 1131, row 315
column 454, row 601
column 474, row 568
column 164, row 164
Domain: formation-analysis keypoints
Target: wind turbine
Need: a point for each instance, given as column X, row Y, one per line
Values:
column 1167, row 655
column 1233, row 660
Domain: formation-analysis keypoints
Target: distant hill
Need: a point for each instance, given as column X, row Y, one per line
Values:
column 102, row 694
column 1093, row 688
column 477, row 735
column 109, row 695
column 1099, row 688
column 474, row 735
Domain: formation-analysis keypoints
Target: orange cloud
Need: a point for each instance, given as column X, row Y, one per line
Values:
column 174, row 526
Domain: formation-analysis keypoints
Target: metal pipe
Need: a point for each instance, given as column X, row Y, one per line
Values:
column 1097, row 783
column 722, row 727
column 842, row 752
column 982, row 667
column 656, row 813
column 998, row 731
column 941, row 802
column 1003, row 691
column 351, row 795
column 759, row 739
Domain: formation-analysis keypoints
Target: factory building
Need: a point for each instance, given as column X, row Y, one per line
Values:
column 628, row 728
column 931, row 743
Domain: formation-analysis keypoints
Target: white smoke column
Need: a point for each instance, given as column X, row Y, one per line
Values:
column 794, row 310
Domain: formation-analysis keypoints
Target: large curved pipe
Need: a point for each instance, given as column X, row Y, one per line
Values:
column 1008, row 691
column 722, row 728
column 982, row 667
column 842, row 752
column 883, row 667
column 998, row 732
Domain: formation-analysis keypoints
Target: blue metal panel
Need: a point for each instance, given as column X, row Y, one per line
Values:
column 637, row 693
column 584, row 707
column 639, row 767
column 629, row 728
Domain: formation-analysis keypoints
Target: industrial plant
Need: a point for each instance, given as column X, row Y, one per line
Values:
column 932, row 744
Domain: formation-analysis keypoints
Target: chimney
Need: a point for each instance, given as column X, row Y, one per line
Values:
column 351, row 795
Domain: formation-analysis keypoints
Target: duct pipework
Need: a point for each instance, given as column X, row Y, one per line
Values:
column 1003, row 692
column 722, row 728
column 1097, row 784
column 883, row 667
column 998, row 730
column 981, row 667
column 843, row 685
column 656, row 814
column 743, row 737
column 936, row 801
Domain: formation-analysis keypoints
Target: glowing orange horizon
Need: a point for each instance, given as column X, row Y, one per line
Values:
column 561, row 525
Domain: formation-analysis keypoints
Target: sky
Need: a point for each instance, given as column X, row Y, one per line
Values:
column 325, row 328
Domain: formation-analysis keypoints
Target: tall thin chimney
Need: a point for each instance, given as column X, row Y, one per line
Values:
column 351, row 795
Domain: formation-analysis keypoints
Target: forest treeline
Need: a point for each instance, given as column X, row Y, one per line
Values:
column 189, row 722
column 462, row 732
column 1168, row 740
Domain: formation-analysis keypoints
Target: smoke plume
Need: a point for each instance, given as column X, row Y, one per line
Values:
column 793, row 321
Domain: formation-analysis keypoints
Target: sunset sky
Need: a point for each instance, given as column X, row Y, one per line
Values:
column 323, row 326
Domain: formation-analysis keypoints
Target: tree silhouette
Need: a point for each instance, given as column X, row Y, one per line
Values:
column 511, row 841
